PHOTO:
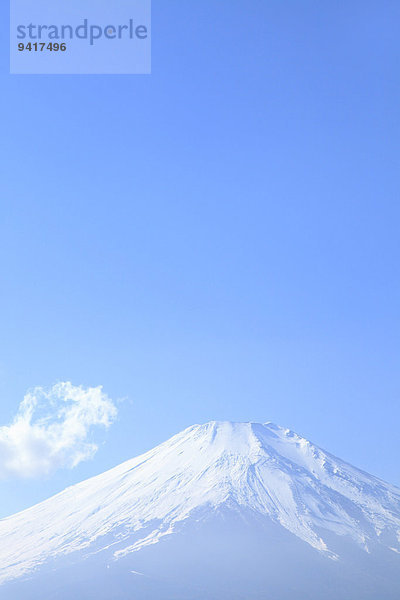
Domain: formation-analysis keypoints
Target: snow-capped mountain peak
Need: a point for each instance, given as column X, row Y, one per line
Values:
column 250, row 468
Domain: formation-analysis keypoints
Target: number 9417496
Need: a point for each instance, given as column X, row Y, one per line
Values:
column 42, row 46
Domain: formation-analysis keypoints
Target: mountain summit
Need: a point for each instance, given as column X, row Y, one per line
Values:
column 221, row 510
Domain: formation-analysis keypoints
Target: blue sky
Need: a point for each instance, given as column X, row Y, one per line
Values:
column 218, row 240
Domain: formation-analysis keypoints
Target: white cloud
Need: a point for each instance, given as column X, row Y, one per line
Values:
column 52, row 429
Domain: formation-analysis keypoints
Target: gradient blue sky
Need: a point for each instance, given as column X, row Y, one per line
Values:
column 219, row 240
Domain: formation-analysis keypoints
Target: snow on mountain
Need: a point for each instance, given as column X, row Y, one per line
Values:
column 263, row 470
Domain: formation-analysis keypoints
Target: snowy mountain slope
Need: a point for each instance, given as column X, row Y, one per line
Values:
column 266, row 474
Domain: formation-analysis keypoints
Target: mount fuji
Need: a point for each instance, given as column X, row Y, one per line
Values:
column 244, row 511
